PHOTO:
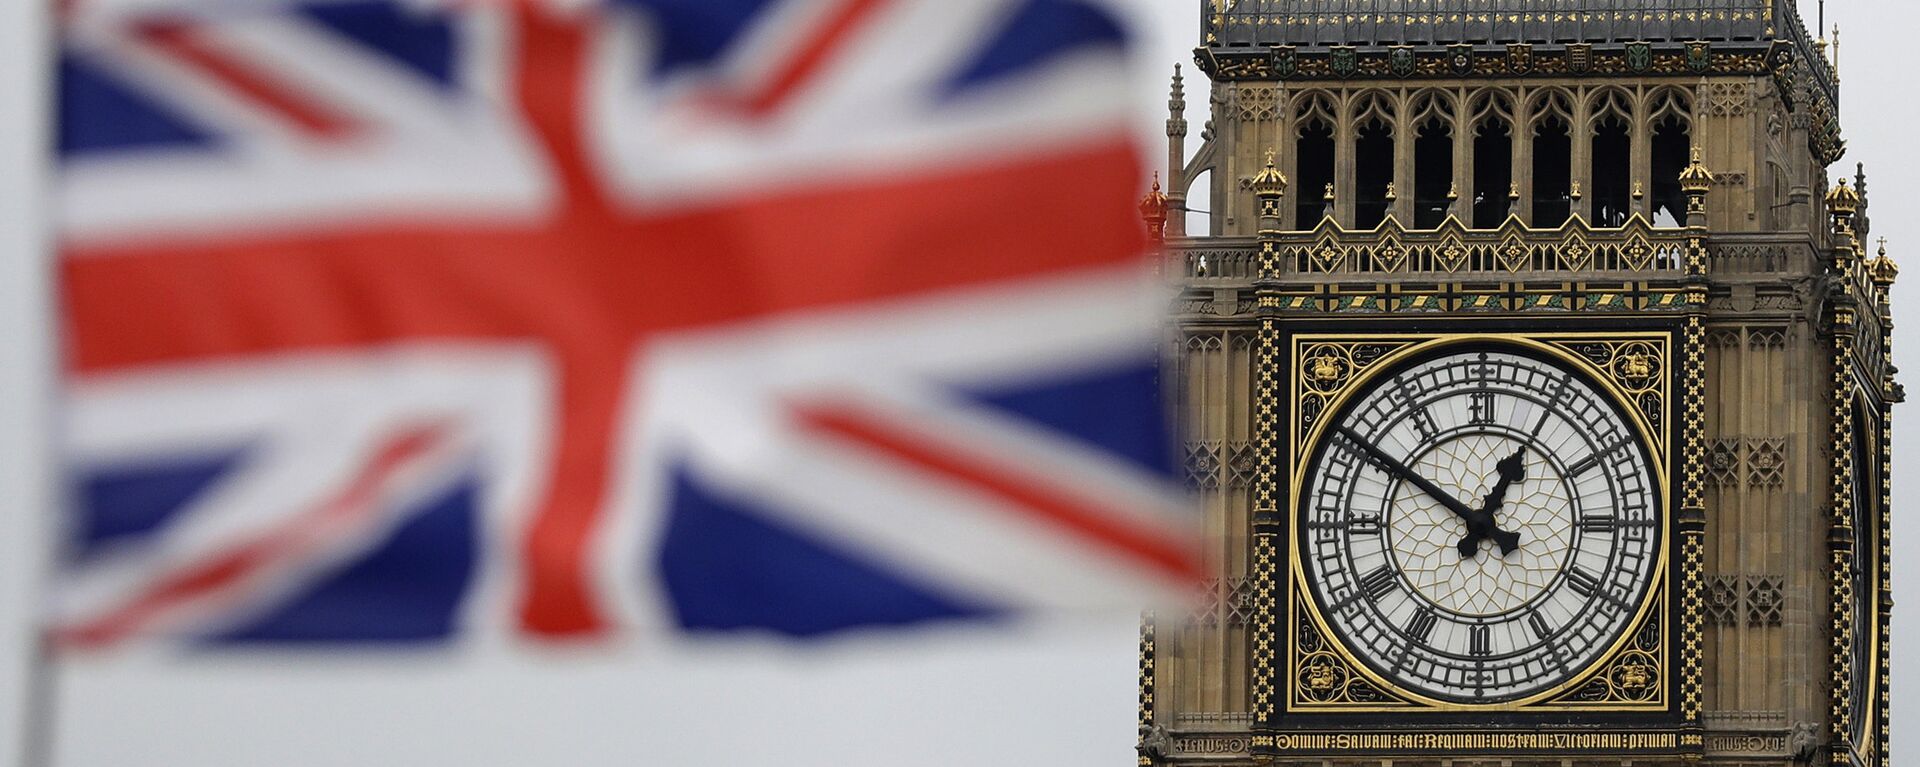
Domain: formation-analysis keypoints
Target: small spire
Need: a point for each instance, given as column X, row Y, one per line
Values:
column 1270, row 182
column 1882, row 269
column 1453, row 190
column 1153, row 209
column 1842, row 199
column 1328, row 196
column 1574, row 192
column 1836, row 51
column 1177, row 95
column 1513, row 191
column 1390, row 195
column 1695, row 179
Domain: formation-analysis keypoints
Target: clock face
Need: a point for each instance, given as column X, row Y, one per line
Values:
column 1866, row 581
column 1479, row 526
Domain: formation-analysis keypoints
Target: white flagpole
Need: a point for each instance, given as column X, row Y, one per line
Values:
column 26, row 379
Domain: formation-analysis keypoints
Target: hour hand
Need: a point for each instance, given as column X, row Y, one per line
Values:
column 1511, row 469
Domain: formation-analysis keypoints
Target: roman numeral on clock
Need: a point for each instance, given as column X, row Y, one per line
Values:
column 1422, row 418
column 1422, row 625
column 1379, row 583
column 1365, row 524
column 1539, row 625
column 1480, row 407
column 1598, row 523
column 1477, row 641
column 1582, row 581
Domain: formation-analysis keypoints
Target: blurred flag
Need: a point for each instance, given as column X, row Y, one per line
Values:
column 402, row 322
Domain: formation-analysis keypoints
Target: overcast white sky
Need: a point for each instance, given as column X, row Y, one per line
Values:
column 1061, row 696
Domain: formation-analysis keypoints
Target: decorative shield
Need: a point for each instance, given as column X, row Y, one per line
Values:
column 1400, row 60
column 1639, row 56
column 1283, row 61
column 1699, row 55
column 1579, row 58
column 1519, row 58
column 1344, row 60
column 1460, row 59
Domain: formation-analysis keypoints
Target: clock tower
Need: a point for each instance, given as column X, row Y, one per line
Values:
column 1534, row 374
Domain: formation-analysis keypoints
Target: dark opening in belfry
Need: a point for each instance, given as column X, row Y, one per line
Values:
column 1432, row 173
column 1552, row 172
column 1373, row 173
column 1612, row 171
column 1313, row 150
column 1670, row 150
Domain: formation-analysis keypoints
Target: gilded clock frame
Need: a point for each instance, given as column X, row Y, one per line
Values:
column 1327, row 374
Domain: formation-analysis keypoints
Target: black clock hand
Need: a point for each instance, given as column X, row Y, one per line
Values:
column 1482, row 525
column 1395, row 467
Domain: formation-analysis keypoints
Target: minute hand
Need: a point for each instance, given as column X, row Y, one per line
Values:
column 1395, row 466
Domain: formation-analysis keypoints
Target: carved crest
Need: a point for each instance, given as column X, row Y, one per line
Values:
column 1460, row 59
column 1640, row 56
column 1519, row 58
column 1284, row 62
column 1699, row 55
column 1400, row 60
column 1343, row 59
column 1579, row 58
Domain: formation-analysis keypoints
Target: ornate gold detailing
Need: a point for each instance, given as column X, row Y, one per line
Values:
column 1323, row 675
column 1146, row 671
column 1634, row 675
column 1692, row 515
column 1270, row 181
column 1267, row 501
column 1882, row 268
column 1452, row 248
column 1637, row 368
column 1841, row 199
column 1695, row 178
column 1328, row 368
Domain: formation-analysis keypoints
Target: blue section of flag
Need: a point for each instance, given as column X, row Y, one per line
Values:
column 1115, row 409
column 690, row 34
column 730, row 566
column 1035, row 34
column 129, row 500
column 98, row 113
column 418, row 40
column 408, row 589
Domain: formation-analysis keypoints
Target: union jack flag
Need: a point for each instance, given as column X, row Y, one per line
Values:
column 401, row 322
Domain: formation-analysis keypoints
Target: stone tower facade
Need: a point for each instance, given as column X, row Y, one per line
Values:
column 1633, row 195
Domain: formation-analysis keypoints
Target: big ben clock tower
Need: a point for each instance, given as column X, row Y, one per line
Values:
column 1534, row 372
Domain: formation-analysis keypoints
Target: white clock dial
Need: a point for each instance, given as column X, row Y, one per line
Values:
column 1479, row 526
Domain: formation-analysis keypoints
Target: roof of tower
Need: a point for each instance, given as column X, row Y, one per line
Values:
column 1444, row 22
column 1409, row 39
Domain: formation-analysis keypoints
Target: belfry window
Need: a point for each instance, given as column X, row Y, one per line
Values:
column 1313, row 150
column 1552, row 173
column 1670, row 149
column 1373, row 173
column 1492, row 173
column 1612, row 172
column 1432, row 173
